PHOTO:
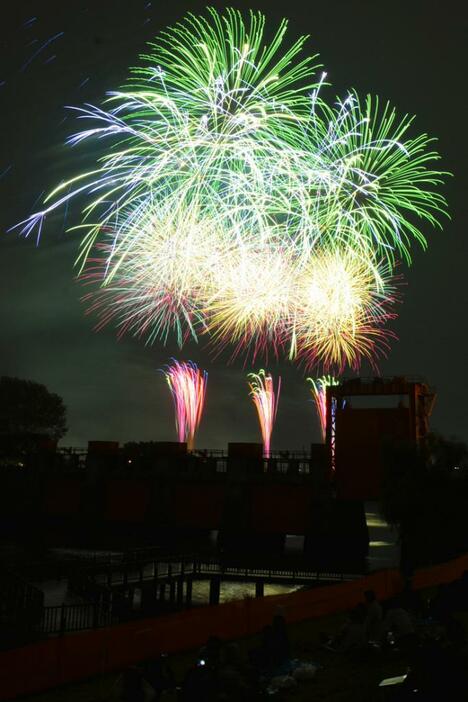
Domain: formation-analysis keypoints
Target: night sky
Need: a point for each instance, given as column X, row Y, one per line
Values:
column 412, row 53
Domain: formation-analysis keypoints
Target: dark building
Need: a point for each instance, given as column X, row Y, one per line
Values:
column 365, row 415
column 235, row 503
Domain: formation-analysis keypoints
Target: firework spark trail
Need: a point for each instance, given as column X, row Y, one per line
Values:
column 40, row 49
column 230, row 134
column 319, row 394
column 265, row 399
column 188, row 388
column 7, row 170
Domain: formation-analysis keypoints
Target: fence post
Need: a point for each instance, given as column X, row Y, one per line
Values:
column 172, row 591
column 215, row 586
column 63, row 620
column 95, row 615
column 188, row 593
column 180, row 590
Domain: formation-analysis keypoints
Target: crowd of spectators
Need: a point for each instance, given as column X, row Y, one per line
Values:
column 219, row 673
column 427, row 636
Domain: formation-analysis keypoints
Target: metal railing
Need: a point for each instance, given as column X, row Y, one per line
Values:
column 19, row 600
column 166, row 568
column 369, row 379
column 67, row 618
column 81, row 453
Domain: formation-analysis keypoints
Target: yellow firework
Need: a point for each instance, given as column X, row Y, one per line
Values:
column 157, row 283
column 342, row 301
column 252, row 302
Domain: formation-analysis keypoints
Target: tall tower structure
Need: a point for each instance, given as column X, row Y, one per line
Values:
column 363, row 415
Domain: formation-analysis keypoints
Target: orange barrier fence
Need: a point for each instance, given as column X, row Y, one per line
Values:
column 442, row 573
column 74, row 657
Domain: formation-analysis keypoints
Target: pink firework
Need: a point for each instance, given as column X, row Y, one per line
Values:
column 265, row 399
column 188, row 388
column 319, row 393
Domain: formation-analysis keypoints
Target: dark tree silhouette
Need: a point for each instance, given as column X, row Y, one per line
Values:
column 425, row 494
column 29, row 409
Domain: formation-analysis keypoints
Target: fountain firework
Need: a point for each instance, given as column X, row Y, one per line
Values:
column 265, row 399
column 187, row 383
column 319, row 393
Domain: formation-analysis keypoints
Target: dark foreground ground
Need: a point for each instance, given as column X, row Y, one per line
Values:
column 342, row 677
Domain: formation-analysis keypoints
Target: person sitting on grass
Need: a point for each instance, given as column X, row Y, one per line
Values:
column 352, row 636
column 374, row 617
column 159, row 674
column 398, row 622
column 281, row 648
column 412, row 601
column 442, row 605
column 233, row 678
column 132, row 685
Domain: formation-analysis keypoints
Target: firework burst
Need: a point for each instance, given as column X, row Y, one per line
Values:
column 343, row 302
column 227, row 190
column 252, row 301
